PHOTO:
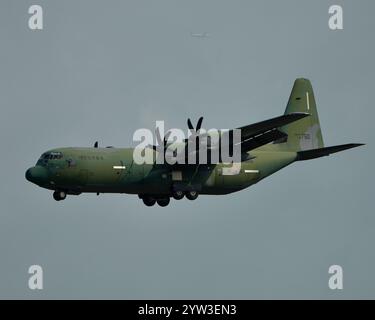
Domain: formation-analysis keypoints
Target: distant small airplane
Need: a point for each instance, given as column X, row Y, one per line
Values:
column 200, row 35
column 266, row 147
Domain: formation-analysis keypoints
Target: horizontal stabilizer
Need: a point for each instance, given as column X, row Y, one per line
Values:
column 321, row 152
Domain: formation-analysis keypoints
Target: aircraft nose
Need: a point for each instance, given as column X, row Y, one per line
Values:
column 28, row 174
column 36, row 174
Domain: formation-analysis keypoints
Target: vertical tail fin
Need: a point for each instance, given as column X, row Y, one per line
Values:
column 304, row 134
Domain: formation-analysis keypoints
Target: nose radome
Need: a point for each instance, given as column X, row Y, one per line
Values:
column 36, row 174
column 28, row 174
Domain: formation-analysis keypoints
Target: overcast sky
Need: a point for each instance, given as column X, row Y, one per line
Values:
column 99, row 70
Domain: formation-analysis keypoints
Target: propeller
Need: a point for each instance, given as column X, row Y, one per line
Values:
column 194, row 135
column 96, row 144
column 198, row 126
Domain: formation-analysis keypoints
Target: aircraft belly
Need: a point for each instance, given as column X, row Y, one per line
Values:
column 231, row 178
column 156, row 180
column 271, row 162
column 235, row 177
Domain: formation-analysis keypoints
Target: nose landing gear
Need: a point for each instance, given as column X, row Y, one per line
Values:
column 59, row 195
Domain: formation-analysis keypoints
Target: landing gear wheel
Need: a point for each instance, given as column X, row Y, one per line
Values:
column 148, row 201
column 178, row 194
column 59, row 195
column 191, row 195
column 163, row 202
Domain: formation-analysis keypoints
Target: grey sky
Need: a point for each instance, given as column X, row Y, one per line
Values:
column 102, row 69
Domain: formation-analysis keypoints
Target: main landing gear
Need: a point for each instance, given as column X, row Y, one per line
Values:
column 178, row 194
column 149, row 201
column 163, row 201
column 59, row 195
column 191, row 195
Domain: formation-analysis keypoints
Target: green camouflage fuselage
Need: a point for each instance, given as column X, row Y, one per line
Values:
column 112, row 170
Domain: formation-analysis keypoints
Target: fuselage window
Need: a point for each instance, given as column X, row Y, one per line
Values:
column 84, row 157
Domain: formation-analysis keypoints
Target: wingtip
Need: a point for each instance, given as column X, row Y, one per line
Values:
column 354, row 145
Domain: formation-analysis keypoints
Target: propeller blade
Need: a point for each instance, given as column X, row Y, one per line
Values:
column 190, row 125
column 199, row 124
column 166, row 137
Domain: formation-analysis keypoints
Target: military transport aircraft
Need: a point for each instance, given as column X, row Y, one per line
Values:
column 266, row 147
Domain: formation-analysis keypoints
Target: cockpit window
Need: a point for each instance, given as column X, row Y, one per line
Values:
column 50, row 156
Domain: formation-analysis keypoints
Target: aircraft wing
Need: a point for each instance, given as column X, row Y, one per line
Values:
column 262, row 139
column 262, row 127
column 254, row 135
